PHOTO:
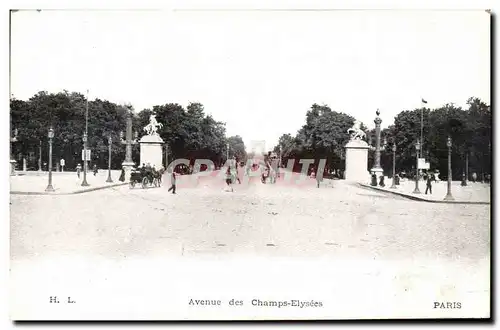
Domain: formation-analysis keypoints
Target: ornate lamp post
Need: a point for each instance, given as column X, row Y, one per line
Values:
column 51, row 136
column 40, row 157
column 377, row 169
column 449, row 196
column 84, row 182
column 279, row 161
column 128, row 142
column 417, row 148
column 110, row 141
column 166, row 156
column 85, row 165
column 393, row 186
column 12, row 160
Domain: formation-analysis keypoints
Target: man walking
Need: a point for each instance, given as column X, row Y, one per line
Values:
column 236, row 172
column 122, row 175
column 229, row 179
column 78, row 170
column 318, row 177
column 172, row 182
column 430, row 177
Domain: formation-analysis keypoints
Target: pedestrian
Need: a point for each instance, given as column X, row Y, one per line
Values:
column 236, row 172
column 173, row 180
column 464, row 180
column 78, row 170
column 95, row 169
column 229, row 178
column 474, row 177
column 122, row 175
column 429, row 184
column 264, row 175
column 247, row 169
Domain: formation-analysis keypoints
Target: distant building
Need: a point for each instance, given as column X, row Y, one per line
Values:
column 258, row 147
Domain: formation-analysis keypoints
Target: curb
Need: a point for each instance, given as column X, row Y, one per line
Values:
column 68, row 193
column 420, row 199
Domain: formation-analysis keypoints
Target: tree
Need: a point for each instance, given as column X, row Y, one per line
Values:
column 189, row 133
column 237, row 147
column 323, row 136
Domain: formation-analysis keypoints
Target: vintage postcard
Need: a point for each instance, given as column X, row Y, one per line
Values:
column 242, row 164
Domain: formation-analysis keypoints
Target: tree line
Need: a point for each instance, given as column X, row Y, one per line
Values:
column 191, row 133
column 188, row 132
column 324, row 135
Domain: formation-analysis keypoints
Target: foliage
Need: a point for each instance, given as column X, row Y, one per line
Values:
column 324, row 135
column 189, row 133
column 237, row 148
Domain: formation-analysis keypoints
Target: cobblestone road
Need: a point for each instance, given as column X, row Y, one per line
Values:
column 263, row 219
column 391, row 257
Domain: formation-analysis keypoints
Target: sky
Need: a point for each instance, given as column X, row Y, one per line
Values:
column 258, row 71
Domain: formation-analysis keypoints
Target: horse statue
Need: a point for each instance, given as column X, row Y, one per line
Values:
column 355, row 132
column 152, row 127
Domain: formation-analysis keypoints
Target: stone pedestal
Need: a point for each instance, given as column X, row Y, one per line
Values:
column 151, row 150
column 127, row 167
column 356, row 161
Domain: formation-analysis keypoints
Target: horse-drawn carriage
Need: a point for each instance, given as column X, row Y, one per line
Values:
column 146, row 178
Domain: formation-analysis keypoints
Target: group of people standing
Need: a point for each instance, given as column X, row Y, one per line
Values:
column 79, row 169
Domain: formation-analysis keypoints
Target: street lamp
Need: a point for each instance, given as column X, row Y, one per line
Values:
column 12, row 160
column 417, row 148
column 393, row 186
column 51, row 136
column 166, row 155
column 377, row 169
column 449, row 196
column 110, row 141
column 130, row 139
column 40, row 157
column 84, row 182
column 279, row 161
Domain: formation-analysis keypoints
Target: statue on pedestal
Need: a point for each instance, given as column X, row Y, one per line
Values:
column 152, row 127
column 356, row 154
column 151, row 144
column 355, row 132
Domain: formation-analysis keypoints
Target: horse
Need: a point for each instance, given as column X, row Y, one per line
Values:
column 157, row 175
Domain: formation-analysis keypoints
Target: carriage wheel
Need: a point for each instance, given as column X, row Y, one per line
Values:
column 145, row 182
column 132, row 184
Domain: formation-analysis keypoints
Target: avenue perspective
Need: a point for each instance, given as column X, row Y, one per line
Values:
column 113, row 178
